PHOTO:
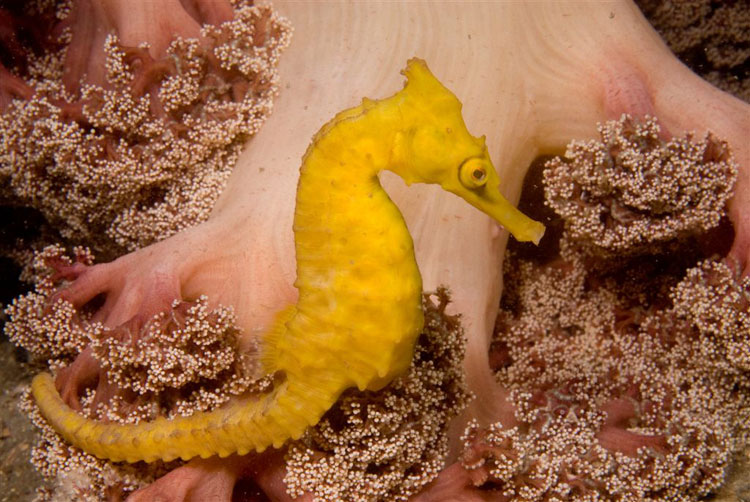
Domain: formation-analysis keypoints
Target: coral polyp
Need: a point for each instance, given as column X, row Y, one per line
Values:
column 631, row 189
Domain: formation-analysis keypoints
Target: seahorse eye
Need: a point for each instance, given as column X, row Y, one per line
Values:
column 473, row 173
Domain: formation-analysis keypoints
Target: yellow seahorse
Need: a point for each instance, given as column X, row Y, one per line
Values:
column 359, row 310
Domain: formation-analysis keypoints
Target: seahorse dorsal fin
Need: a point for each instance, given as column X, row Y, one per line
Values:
column 269, row 357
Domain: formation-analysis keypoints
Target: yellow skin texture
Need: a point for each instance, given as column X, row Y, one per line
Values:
column 359, row 311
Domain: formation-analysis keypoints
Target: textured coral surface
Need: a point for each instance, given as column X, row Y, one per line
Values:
column 631, row 190
column 617, row 396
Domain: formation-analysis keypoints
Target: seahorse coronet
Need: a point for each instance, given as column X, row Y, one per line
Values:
column 359, row 311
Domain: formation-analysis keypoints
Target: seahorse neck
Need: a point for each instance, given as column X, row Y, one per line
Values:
column 339, row 186
column 359, row 141
column 339, row 173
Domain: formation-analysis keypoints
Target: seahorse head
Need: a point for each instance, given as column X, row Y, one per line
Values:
column 434, row 146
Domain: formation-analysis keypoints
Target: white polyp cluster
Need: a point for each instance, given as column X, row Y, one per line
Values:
column 631, row 189
column 122, row 166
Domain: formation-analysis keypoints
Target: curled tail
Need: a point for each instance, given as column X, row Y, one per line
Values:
column 247, row 424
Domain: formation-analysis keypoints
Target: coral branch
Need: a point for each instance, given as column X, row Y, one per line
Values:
column 153, row 24
column 614, row 435
column 12, row 87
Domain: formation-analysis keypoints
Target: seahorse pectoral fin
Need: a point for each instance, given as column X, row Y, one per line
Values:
column 271, row 350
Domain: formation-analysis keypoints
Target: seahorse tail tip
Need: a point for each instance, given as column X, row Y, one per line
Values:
column 50, row 404
column 40, row 384
column 70, row 425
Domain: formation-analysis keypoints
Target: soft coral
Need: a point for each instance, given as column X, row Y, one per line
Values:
column 135, row 23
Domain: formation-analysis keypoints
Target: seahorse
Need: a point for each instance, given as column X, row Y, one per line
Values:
column 359, row 312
